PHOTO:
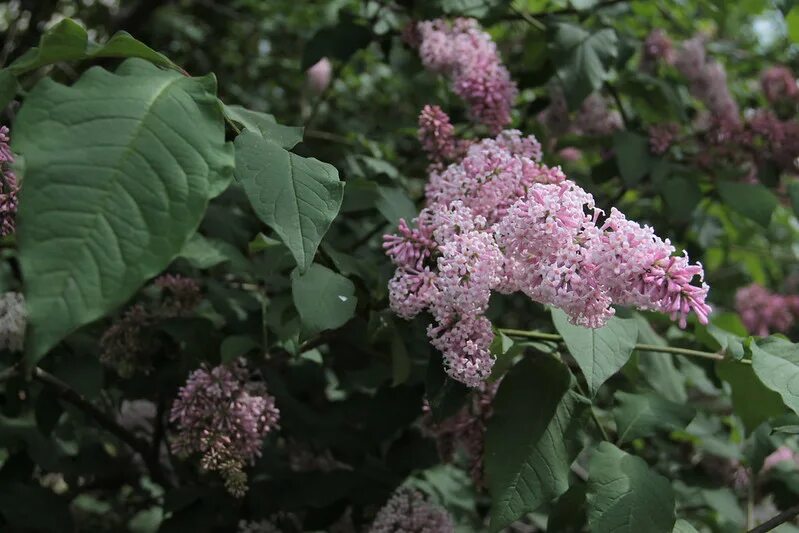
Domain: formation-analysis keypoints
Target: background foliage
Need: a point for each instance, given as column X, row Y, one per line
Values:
column 235, row 176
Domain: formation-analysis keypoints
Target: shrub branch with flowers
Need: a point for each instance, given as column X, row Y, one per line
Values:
column 524, row 266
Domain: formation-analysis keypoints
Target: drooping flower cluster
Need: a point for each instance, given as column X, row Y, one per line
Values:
column 764, row 312
column 408, row 511
column 130, row 342
column 779, row 84
column 8, row 186
column 13, row 320
column 223, row 416
column 465, row 430
column 707, row 81
column 500, row 220
column 463, row 52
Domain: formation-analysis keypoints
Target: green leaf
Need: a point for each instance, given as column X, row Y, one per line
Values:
column 632, row 156
column 683, row 526
column 120, row 168
column 790, row 429
column 286, row 136
column 236, row 346
column 625, row 496
column 393, row 203
column 776, row 363
column 641, row 415
column 600, row 352
column 204, row 253
column 8, row 87
column 68, row 41
column 531, row 441
column 339, row 41
column 754, row 201
column 583, row 59
column 793, row 193
column 298, row 197
column 658, row 369
column 751, row 400
column 568, row 515
column 324, row 299
column 792, row 21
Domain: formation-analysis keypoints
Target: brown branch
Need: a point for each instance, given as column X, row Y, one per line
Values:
column 781, row 518
column 70, row 395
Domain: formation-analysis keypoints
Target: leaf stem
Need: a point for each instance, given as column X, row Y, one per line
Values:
column 593, row 414
column 645, row 347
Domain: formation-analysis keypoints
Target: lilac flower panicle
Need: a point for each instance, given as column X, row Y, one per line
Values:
column 409, row 512
column 13, row 321
column 8, row 186
column 707, row 81
column 783, row 454
column 469, row 58
column 763, row 312
column 223, row 417
column 658, row 47
column 499, row 220
column 662, row 136
column 779, row 84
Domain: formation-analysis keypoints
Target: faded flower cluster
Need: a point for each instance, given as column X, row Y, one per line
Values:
column 13, row 319
column 408, row 511
column 464, row 53
column 764, row 312
column 223, row 416
column 8, row 186
column 499, row 220
column 130, row 342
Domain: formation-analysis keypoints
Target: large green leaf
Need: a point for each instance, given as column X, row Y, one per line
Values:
column 751, row 400
column 298, row 197
column 625, row 496
column 776, row 363
column 754, row 201
column 265, row 124
column 641, row 415
column 658, row 369
column 8, row 87
column 792, row 21
column 324, row 299
column 582, row 59
column 632, row 156
column 600, row 352
column 68, row 41
column 119, row 170
column 531, row 442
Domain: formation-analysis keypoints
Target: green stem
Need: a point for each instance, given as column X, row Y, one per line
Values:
column 645, row 347
column 593, row 414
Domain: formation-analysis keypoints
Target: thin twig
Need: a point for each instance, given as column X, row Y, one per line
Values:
column 70, row 395
column 645, row 347
column 781, row 518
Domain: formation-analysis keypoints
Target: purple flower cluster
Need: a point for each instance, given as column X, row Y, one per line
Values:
column 658, row 47
column 661, row 137
column 707, row 81
column 8, row 186
column 783, row 454
column 408, row 511
column 595, row 117
column 462, row 51
column 500, row 220
column 223, row 416
column 763, row 311
column 437, row 137
column 130, row 342
column 779, row 84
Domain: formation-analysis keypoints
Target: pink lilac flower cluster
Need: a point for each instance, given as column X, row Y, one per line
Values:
column 8, row 186
column 658, row 47
column 500, row 220
column 318, row 76
column 437, row 137
column 130, row 342
column 662, row 136
column 223, row 416
column 779, row 84
column 707, row 81
column 770, row 137
column 408, row 511
column 465, row 430
column 763, row 311
column 463, row 52
column 783, row 454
